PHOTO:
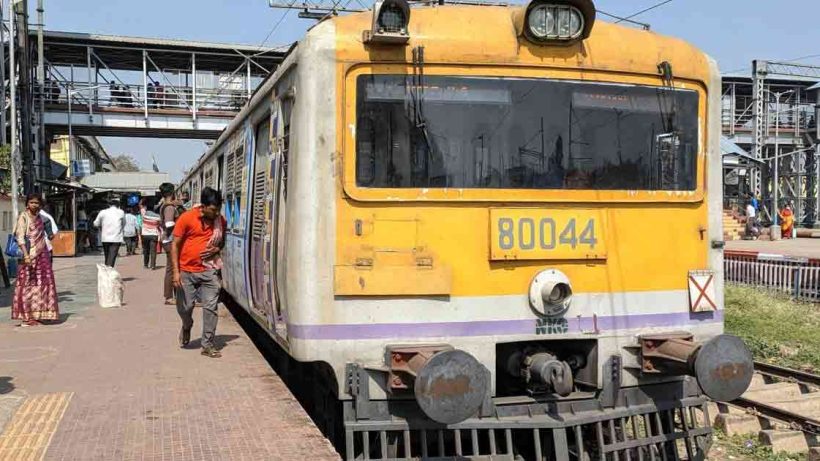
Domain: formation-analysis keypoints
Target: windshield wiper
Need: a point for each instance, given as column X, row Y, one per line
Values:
column 417, row 94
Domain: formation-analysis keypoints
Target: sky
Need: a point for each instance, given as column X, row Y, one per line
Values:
column 732, row 31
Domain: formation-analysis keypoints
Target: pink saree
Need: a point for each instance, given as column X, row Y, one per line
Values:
column 35, row 293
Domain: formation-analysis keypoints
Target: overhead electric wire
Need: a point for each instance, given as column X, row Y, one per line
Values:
column 276, row 26
column 644, row 10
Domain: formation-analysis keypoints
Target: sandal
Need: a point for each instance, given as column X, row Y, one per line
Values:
column 170, row 302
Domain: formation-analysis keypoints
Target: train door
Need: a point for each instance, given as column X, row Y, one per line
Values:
column 260, row 236
column 279, row 165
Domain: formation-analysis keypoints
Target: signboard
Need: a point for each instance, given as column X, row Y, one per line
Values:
column 80, row 168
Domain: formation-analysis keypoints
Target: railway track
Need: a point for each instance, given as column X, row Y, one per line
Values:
column 782, row 405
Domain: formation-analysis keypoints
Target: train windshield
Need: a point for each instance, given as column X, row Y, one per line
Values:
column 504, row 133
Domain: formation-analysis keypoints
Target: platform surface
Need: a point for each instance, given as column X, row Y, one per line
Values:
column 112, row 384
column 801, row 247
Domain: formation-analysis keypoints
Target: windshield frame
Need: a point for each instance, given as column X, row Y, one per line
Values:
column 378, row 194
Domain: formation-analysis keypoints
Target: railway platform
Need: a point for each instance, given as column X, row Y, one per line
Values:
column 112, row 384
column 799, row 248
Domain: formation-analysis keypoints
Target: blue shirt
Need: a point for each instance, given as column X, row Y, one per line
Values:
column 756, row 204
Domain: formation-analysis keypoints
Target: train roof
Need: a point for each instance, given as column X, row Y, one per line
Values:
column 487, row 35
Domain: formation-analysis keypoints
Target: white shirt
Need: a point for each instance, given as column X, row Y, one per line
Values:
column 750, row 211
column 111, row 223
column 47, row 217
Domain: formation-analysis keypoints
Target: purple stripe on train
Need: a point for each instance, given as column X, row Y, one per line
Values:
column 501, row 327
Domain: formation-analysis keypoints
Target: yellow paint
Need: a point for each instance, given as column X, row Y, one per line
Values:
column 392, row 280
column 59, row 151
column 547, row 234
column 29, row 433
column 652, row 239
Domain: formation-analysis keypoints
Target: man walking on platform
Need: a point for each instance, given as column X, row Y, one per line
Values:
column 196, row 262
column 169, row 210
column 111, row 222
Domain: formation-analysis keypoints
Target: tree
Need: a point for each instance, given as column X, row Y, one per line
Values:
column 5, row 169
column 125, row 162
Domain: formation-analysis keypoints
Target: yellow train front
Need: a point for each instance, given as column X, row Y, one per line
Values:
column 494, row 231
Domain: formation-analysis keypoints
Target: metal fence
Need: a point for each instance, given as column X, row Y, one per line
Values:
column 798, row 277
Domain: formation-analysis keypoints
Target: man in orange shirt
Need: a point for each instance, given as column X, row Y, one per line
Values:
column 196, row 262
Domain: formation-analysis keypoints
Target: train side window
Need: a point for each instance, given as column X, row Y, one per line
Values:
column 261, row 152
column 287, row 110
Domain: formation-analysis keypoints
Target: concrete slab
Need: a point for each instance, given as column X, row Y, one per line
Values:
column 736, row 424
column 791, row 442
column 134, row 393
column 772, row 392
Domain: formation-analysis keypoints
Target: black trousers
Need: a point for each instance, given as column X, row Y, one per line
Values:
column 111, row 251
column 149, row 251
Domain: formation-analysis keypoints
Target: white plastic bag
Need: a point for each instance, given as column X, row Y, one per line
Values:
column 109, row 286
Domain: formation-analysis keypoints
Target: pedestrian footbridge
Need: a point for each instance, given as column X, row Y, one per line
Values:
column 105, row 85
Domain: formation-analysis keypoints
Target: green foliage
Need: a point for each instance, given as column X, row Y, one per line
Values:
column 776, row 328
column 5, row 169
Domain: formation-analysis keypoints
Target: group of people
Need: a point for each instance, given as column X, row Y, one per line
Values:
column 121, row 95
column 193, row 240
column 786, row 215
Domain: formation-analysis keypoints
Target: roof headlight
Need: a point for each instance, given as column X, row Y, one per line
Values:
column 558, row 20
column 390, row 20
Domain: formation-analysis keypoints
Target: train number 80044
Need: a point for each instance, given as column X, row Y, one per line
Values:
column 531, row 233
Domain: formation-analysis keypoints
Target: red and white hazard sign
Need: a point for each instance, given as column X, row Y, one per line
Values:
column 702, row 291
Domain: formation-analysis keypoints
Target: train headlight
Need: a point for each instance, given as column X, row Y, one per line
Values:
column 390, row 20
column 558, row 20
column 550, row 293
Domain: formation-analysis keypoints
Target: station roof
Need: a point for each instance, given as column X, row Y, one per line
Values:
column 125, row 53
column 747, row 77
column 729, row 149
column 145, row 182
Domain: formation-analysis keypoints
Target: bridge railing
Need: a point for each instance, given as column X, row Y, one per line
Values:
column 139, row 97
column 794, row 276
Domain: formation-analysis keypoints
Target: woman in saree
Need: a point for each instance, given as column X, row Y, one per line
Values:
column 35, row 293
column 786, row 222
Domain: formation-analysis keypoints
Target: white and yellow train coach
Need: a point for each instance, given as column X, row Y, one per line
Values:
column 489, row 230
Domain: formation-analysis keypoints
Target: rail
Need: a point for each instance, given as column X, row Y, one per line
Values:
column 795, row 276
column 805, row 421
column 788, row 374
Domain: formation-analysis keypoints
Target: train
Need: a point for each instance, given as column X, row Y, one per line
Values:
column 487, row 232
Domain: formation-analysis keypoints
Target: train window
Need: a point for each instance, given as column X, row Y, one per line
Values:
column 261, row 151
column 503, row 133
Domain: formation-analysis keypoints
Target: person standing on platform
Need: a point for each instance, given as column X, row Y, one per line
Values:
column 751, row 221
column 195, row 255
column 169, row 211
column 786, row 222
column 111, row 222
column 150, row 237
column 186, row 200
column 35, row 292
column 130, row 232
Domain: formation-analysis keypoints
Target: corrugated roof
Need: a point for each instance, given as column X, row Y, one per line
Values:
column 142, row 181
column 161, row 42
column 728, row 147
column 769, row 78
